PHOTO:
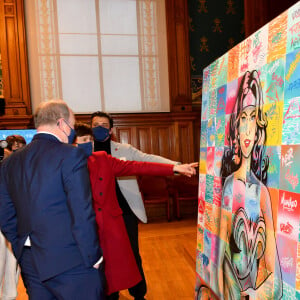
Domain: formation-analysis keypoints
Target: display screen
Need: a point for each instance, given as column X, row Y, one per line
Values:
column 27, row 134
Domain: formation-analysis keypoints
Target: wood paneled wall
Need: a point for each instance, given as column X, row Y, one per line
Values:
column 14, row 65
column 179, row 55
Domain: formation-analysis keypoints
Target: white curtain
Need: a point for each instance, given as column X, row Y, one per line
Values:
column 106, row 55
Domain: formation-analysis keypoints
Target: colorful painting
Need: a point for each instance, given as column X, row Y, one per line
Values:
column 248, row 244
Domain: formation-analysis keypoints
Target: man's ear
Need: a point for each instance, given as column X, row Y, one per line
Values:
column 111, row 131
column 58, row 123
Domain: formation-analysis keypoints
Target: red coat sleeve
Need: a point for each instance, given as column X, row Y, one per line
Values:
column 127, row 168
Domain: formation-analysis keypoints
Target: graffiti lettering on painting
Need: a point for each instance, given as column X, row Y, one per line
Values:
column 278, row 79
column 276, row 38
column 286, row 160
column 288, row 204
column 293, row 67
column 294, row 85
column 295, row 28
column 296, row 14
column 293, row 111
column 295, row 41
column 256, row 51
column 272, row 88
column 245, row 48
column 221, row 66
column 218, row 125
column 272, row 112
column 274, row 67
column 286, row 228
column 287, row 263
column 292, row 179
column 244, row 66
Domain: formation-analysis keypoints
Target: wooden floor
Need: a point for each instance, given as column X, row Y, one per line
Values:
column 168, row 251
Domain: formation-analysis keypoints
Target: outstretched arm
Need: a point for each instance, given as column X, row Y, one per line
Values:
column 127, row 168
column 131, row 153
column 186, row 169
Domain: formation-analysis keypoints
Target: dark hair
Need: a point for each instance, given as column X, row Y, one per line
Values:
column 11, row 139
column 231, row 160
column 102, row 114
column 83, row 129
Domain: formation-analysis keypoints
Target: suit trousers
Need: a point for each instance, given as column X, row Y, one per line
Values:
column 9, row 272
column 78, row 283
column 131, row 222
column 139, row 290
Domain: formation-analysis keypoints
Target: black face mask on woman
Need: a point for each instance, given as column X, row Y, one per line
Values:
column 101, row 133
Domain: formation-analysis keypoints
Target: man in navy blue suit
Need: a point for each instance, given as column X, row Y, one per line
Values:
column 46, row 211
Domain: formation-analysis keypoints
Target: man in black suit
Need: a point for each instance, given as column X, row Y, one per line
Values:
column 46, row 211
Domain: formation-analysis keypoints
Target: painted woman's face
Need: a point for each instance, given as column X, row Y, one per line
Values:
column 247, row 130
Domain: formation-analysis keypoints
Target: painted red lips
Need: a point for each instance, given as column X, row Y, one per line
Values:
column 247, row 143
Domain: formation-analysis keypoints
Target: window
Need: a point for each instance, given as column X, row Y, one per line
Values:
column 106, row 55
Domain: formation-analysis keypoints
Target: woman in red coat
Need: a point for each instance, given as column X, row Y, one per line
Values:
column 120, row 267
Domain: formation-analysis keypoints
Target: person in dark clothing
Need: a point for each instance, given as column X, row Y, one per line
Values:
column 46, row 211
